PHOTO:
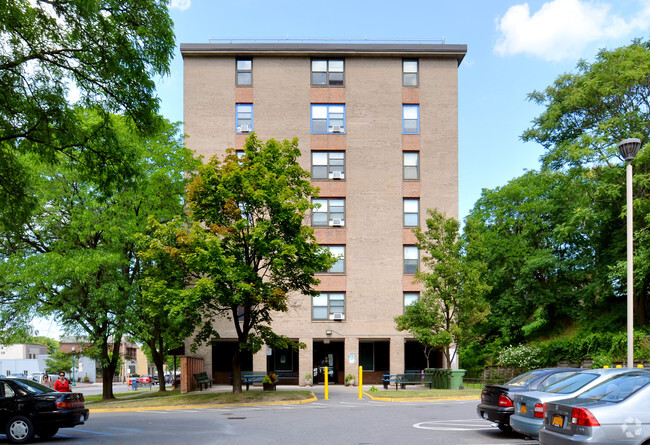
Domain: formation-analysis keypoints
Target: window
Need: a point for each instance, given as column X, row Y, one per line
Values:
column 411, row 212
column 337, row 252
column 411, row 118
column 328, row 212
column 411, row 259
column 411, row 165
column 410, row 73
column 327, row 72
column 244, row 117
column 410, row 298
column 326, row 304
column 6, row 390
column 244, row 72
column 328, row 118
column 328, row 164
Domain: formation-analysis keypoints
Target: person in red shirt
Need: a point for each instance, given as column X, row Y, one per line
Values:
column 62, row 384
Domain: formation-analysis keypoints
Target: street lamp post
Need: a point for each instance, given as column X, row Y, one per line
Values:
column 73, row 381
column 629, row 149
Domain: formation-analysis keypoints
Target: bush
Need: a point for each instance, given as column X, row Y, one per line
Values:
column 522, row 356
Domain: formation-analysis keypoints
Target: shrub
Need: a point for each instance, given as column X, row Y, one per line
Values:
column 522, row 356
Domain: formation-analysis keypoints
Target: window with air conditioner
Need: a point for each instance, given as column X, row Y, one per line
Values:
column 328, row 306
column 328, row 118
column 244, row 118
column 411, row 119
column 328, row 165
column 327, row 72
column 328, row 212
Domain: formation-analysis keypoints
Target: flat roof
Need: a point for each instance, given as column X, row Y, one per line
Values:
column 326, row 49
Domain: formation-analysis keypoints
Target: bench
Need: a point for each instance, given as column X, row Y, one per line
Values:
column 287, row 376
column 410, row 378
column 252, row 377
column 203, row 379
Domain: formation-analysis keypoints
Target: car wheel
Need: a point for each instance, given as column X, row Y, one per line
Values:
column 505, row 428
column 47, row 432
column 19, row 430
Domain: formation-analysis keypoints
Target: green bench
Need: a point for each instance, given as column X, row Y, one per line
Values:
column 203, row 379
column 410, row 378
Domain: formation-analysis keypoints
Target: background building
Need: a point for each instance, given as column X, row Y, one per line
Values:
column 378, row 129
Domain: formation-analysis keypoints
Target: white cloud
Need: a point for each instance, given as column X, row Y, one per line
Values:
column 180, row 4
column 563, row 28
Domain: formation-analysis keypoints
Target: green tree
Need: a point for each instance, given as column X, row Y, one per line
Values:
column 59, row 57
column 252, row 249
column 58, row 361
column 167, row 314
column 77, row 257
column 451, row 304
column 587, row 114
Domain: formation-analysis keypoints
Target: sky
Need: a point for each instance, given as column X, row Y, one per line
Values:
column 513, row 49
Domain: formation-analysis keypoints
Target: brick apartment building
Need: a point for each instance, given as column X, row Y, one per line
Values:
column 378, row 130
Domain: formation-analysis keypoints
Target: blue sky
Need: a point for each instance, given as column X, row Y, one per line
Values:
column 514, row 48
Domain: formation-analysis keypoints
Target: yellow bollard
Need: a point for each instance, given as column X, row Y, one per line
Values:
column 360, row 382
column 619, row 366
column 326, row 388
column 639, row 365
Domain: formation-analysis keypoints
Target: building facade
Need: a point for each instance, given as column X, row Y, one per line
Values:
column 378, row 130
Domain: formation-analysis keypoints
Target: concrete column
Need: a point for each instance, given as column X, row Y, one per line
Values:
column 396, row 355
column 259, row 360
column 305, row 360
column 351, row 348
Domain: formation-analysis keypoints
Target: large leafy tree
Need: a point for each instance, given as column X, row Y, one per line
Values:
column 451, row 305
column 587, row 114
column 76, row 258
column 58, row 57
column 167, row 312
column 253, row 250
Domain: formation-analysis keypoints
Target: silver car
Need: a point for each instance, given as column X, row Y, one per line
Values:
column 616, row 411
column 529, row 407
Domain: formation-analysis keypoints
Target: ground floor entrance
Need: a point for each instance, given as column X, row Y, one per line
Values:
column 341, row 356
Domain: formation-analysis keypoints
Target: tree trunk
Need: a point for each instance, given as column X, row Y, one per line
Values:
column 236, row 373
column 158, row 361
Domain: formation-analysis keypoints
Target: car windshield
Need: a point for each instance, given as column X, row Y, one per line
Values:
column 617, row 388
column 32, row 387
column 571, row 383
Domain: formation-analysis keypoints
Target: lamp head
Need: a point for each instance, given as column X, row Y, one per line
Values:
column 629, row 148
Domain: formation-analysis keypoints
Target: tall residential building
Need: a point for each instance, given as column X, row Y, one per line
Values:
column 378, row 130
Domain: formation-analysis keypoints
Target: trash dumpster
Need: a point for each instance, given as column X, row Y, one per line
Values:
column 456, row 378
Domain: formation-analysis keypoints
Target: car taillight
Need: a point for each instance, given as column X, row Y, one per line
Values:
column 64, row 404
column 583, row 417
column 504, row 401
column 539, row 410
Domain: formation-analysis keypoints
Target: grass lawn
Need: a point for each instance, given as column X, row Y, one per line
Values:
column 425, row 393
column 141, row 399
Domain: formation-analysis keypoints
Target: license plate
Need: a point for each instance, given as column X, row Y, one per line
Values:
column 522, row 409
column 558, row 421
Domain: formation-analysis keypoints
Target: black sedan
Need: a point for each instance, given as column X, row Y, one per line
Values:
column 28, row 408
column 496, row 400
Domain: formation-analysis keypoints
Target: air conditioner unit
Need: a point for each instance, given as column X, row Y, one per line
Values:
column 337, row 175
column 337, row 129
column 337, row 222
column 245, row 128
column 337, row 316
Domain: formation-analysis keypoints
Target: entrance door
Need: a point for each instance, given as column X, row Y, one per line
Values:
column 328, row 355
